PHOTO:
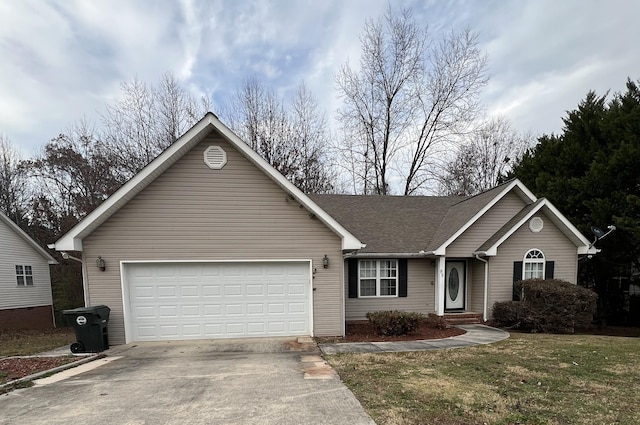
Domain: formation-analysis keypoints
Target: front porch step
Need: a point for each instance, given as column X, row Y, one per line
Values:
column 465, row 318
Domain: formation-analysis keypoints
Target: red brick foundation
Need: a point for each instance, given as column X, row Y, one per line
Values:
column 27, row 318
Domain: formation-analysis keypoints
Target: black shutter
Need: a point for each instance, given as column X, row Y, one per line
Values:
column 402, row 277
column 548, row 269
column 517, row 276
column 352, row 264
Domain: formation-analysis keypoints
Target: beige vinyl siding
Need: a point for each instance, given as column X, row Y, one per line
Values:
column 14, row 250
column 475, row 291
column 191, row 212
column 486, row 226
column 551, row 241
column 420, row 293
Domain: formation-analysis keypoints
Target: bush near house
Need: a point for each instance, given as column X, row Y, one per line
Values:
column 552, row 306
column 387, row 323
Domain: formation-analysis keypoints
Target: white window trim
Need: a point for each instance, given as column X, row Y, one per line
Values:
column 24, row 275
column 526, row 261
column 378, row 278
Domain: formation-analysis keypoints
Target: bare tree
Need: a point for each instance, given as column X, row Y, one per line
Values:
column 291, row 139
column 310, row 138
column 74, row 174
column 13, row 182
column 488, row 156
column 147, row 119
column 409, row 95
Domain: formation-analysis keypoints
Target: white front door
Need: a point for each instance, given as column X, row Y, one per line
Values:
column 455, row 285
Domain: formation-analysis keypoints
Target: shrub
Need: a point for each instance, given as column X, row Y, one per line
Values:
column 510, row 313
column 437, row 322
column 387, row 323
column 553, row 305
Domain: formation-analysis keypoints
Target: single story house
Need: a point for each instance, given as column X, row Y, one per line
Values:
column 210, row 241
column 25, row 281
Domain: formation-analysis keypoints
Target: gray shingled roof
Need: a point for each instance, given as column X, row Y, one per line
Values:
column 403, row 224
column 388, row 224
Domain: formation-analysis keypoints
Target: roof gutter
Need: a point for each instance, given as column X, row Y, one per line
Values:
column 421, row 254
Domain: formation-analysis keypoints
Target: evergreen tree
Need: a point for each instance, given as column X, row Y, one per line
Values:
column 591, row 172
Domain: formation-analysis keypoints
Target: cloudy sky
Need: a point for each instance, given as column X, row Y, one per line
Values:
column 64, row 60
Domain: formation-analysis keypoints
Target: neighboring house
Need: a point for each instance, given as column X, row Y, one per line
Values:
column 210, row 241
column 25, row 282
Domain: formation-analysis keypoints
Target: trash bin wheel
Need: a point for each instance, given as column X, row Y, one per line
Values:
column 77, row 347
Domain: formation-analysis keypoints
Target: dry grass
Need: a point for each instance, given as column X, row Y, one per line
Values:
column 527, row 379
column 28, row 342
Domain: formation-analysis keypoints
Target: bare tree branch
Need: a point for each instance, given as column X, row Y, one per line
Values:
column 487, row 157
column 13, row 182
column 408, row 96
column 293, row 139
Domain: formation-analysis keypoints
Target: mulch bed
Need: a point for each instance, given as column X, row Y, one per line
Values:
column 16, row 367
column 364, row 332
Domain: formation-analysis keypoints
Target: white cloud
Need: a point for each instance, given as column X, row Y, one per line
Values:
column 63, row 60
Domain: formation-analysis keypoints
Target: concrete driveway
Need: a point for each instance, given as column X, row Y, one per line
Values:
column 204, row 382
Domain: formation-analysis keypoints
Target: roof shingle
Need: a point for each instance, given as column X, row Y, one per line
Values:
column 403, row 224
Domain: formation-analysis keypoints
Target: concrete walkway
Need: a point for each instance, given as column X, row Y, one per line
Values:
column 476, row 335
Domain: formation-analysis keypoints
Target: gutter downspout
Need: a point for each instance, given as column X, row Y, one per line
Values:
column 486, row 286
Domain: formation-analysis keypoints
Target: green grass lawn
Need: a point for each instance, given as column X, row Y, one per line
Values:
column 526, row 379
column 28, row 342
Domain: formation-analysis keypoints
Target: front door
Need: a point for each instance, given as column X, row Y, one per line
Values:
column 455, row 285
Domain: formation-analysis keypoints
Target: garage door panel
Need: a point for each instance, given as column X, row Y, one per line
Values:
column 167, row 291
column 255, row 290
column 192, row 330
column 233, row 310
column 167, row 311
column 231, row 270
column 233, row 290
column 235, row 329
column 256, row 328
column 276, row 308
column 145, row 312
column 212, row 310
column 169, row 331
column 144, row 292
column 297, row 326
column 173, row 301
column 275, row 290
column 295, row 289
column 296, row 308
column 187, row 291
column 255, row 309
column 211, row 290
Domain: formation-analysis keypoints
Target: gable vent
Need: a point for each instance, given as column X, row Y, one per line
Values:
column 215, row 157
column 536, row 224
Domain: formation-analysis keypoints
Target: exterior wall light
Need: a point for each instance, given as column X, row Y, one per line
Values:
column 325, row 261
column 101, row 264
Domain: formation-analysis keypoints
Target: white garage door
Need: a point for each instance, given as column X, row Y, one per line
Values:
column 176, row 301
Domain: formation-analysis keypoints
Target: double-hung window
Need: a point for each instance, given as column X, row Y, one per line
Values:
column 533, row 265
column 24, row 275
column 378, row 278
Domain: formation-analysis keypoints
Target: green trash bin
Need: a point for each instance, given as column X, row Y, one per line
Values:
column 91, row 325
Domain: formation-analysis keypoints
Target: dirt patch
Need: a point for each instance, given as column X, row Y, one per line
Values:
column 364, row 332
column 16, row 368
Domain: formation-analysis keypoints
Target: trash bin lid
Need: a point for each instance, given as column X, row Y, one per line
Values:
column 87, row 310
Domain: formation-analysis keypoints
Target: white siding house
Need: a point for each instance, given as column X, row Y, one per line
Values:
column 25, row 282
